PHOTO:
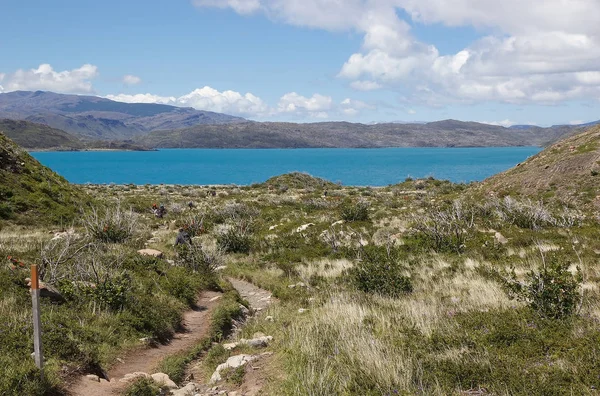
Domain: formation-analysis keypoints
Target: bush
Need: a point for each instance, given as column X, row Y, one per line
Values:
column 112, row 226
column 379, row 273
column 235, row 240
column 553, row 292
column 143, row 387
column 355, row 212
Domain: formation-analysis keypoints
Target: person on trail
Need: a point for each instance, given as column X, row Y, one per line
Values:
column 183, row 238
column 161, row 211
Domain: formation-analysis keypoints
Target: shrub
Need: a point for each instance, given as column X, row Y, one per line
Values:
column 143, row 387
column 446, row 229
column 552, row 291
column 235, row 240
column 379, row 273
column 355, row 212
column 114, row 225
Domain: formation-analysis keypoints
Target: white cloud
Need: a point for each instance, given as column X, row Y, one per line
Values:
column 541, row 54
column 130, row 79
column 142, row 98
column 365, row 85
column 206, row 98
column 315, row 106
column 46, row 78
column 504, row 123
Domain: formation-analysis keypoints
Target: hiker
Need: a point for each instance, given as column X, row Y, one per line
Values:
column 183, row 238
column 160, row 212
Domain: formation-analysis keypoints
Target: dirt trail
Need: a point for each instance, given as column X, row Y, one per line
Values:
column 196, row 324
column 258, row 298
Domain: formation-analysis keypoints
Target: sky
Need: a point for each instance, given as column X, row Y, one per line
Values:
column 501, row 62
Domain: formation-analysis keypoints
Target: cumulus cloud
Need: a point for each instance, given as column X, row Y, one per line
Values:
column 206, row 98
column 315, row 106
column 540, row 54
column 290, row 106
column 142, row 98
column 47, row 79
column 130, row 79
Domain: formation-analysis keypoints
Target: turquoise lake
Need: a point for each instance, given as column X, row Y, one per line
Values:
column 362, row 167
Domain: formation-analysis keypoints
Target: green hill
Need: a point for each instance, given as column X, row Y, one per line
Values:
column 569, row 171
column 31, row 193
column 38, row 136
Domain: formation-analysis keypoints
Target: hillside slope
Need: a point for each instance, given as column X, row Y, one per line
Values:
column 449, row 133
column 30, row 135
column 568, row 170
column 98, row 118
column 31, row 192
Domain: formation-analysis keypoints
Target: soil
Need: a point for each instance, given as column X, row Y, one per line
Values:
column 196, row 326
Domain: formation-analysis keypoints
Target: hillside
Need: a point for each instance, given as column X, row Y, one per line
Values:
column 568, row 170
column 449, row 133
column 38, row 137
column 30, row 135
column 32, row 193
column 99, row 118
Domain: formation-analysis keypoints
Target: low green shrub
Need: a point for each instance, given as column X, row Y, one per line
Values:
column 235, row 240
column 143, row 387
column 355, row 211
column 552, row 291
column 377, row 272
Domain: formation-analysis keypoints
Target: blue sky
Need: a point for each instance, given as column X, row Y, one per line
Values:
column 316, row 60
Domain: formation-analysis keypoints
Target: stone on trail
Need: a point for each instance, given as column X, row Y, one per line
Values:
column 133, row 376
column 163, row 379
column 302, row 310
column 151, row 253
column 188, row 390
column 232, row 363
column 93, row 377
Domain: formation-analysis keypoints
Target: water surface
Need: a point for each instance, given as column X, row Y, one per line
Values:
column 373, row 167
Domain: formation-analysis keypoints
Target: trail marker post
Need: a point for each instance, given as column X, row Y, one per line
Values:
column 37, row 321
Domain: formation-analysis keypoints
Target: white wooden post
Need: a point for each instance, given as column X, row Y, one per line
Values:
column 37, row 321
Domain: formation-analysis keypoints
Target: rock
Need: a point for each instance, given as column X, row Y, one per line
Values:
column 132, row 376
column 337, row 223
column 232, row 363
column 48, row 291
column 302, row 310
column 500, row 238
column 244, row 310
column 269, row 318
column 93, row 377
column 231, row 345
column 188, row 390
column 151, row 252
column 259, row 342
column 163, row 379
column 304, row 227
column 221, row 268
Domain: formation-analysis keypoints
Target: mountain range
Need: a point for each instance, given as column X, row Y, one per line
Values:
column 102, row 119
column 87, row 119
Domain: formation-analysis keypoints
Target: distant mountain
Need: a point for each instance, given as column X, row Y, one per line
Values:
column 447, row 133
column 98, row 118
column 38, row 136
column 33, row 136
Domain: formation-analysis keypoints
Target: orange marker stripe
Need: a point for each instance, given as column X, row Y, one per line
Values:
column 35, row 283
